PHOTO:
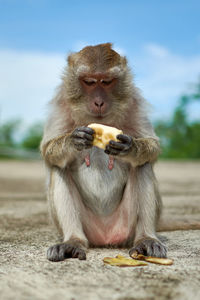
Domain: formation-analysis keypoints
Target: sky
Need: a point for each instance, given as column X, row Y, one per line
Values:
column 161, row 40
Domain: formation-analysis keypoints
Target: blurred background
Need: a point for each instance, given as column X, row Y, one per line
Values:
column 161, row 40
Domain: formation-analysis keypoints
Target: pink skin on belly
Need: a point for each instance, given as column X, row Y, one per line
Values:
column 110, row 230
column 116, row 228
column 103, row 236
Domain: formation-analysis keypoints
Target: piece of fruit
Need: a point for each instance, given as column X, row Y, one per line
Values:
column 151, row 259
column 121, row 261
column 103, row 134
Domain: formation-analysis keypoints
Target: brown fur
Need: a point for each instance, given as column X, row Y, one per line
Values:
column 75, row 213
column 99, row 58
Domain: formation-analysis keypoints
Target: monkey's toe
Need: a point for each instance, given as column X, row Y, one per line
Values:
column 62, row 251
column 150, row 247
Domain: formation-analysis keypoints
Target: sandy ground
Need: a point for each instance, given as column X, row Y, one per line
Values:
column 25, row 235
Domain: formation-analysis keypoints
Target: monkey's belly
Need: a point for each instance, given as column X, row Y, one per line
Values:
column 101, row 189
column 101, row 232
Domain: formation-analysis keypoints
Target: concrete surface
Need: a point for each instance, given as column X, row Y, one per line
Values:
column 25, row 235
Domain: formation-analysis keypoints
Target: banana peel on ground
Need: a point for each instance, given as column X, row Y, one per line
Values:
column 122, row 261
column 152, row 259
column 136, row 260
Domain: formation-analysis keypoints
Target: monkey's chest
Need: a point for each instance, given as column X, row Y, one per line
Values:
column 101, row 188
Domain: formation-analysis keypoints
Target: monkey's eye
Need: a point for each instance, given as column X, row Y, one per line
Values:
column 106, row 81
column 89, row 81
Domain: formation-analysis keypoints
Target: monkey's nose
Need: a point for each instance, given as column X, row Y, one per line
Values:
column 99, row 103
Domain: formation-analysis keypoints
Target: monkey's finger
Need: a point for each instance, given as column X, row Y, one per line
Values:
column 66, row 250
column 125, row 138
column 82, row 141
column 158, row 250
column 75, row 252
column 123, row 148
column 53, row 254
column 59, row 252
column 116, row 145
column 111, row 151
column 83, row 135
column 86, row 129
column 82, row 255
column 78, row 253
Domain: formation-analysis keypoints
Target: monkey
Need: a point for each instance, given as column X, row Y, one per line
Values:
column 101, row 197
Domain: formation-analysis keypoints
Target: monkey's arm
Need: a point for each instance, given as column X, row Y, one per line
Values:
column 137, row 151
column 144, row 150
column 57, row 152
column 62, row 150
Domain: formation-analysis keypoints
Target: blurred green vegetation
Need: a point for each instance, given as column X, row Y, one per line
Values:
column 30, row 140
column 8, row 131
column 180, row 137
column 14, row 144
column 33, row 137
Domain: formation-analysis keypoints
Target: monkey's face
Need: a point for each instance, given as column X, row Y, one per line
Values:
column 98, row 84
column 99, row 93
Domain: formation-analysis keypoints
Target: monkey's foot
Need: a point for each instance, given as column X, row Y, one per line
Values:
column 65, row 250
column 150, row 247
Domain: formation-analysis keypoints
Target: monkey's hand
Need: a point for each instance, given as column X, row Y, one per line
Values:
column 122, row 148
column 136, row 151
column 82, row 138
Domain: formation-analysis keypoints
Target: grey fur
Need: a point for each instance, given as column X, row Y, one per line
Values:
column 100, row 188
column 79, row 194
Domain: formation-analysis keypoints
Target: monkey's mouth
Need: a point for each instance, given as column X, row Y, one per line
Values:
column 98, row 115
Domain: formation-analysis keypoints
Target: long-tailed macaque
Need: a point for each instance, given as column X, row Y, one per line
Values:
column 97, row 197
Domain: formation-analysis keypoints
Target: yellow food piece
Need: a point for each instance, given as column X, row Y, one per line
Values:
column 120, row 256
column 121, row 261
column 160, row 261
column 103, row 134
column 151, row 259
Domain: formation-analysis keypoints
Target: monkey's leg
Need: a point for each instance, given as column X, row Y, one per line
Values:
column 65, row 203
column 149, row 206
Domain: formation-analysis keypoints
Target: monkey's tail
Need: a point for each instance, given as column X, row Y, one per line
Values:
column 171, row 224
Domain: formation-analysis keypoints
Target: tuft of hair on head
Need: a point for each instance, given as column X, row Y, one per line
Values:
column 98, row 58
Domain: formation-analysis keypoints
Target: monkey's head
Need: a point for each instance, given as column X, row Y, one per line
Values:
column 98, row 84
